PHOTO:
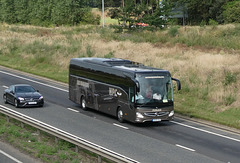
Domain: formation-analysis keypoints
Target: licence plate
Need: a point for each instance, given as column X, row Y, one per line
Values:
column 31, row 103
column 156, row 120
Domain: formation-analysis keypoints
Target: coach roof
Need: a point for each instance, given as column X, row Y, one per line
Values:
column 111, row 65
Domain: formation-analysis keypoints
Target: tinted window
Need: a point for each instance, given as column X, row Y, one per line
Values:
column 20, row 89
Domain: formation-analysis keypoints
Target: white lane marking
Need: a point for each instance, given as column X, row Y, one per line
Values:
column 73, row 110
column 66, row 133
column 190, row 149
column 120, row 126
column 4, row 86
column 123, row 126
column 209, row 132
column 9, row 156
column 34, row 81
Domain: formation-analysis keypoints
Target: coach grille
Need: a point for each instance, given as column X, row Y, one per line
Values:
column 156, row 114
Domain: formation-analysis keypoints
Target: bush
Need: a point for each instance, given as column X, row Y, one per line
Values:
column 47, row 13
column 109, row 55
column 232, row 12
column 213, row 22
column 229, row 79
column 230, row 99
column 173, row 31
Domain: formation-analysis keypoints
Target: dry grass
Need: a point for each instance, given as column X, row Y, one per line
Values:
column 200, row 69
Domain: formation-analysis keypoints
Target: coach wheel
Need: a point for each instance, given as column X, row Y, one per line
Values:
column 16, row 103
column 83, row 103
column 120, row 115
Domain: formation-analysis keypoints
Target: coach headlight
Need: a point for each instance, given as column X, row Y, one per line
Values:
column 171, row 114
column 139, row 115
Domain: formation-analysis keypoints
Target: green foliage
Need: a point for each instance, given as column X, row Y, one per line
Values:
column 15, row 131
column 232, row 12
column 213, row 22
column 109, row 55
column 173, row 31
column 202, row 23
column 229, row 78
column 141, row 12
column 117, row 28
column 8, row 11
column 46, row 12
column 199, row 11
column 89, row 51
column 230, row 99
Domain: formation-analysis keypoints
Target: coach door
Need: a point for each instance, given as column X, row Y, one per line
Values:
column 106, row 99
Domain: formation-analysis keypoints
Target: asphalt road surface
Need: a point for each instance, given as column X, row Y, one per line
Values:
column 176, row 141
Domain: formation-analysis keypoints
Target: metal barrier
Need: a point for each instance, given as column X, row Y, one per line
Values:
column 79, row 142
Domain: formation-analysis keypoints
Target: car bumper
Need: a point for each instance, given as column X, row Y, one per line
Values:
column 31, row 103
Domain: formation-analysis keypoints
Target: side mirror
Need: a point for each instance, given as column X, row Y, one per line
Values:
column 178, row 83
column 11, row 92
column 137, row 86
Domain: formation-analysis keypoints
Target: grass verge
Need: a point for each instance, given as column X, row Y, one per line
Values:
column 205, row 59
column 41, row 145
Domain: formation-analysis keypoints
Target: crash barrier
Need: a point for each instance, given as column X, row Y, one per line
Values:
column 58, row 133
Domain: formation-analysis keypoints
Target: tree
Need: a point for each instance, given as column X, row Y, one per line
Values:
column 22, row 11
column 232, row 12
column 8, row 11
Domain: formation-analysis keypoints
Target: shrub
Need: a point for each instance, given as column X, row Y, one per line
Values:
column 109, row 55
column 229, row 99
column 173, row 31
column 232, row 12
column 213, row 22
column 229, row 78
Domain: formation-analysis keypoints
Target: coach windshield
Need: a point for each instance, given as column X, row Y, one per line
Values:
column 154, row 88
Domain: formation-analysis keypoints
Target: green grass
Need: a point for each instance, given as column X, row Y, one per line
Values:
column 44, row 55
column 42, row 146
column 210, row 37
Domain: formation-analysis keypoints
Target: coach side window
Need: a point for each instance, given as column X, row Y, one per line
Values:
column 131, row 94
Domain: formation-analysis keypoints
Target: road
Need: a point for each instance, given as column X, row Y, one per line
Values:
column 175, row 141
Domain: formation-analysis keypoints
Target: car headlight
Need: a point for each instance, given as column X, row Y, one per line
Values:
column 171, row 114
column 21, row 99
column 41, row 97
column 139, row 115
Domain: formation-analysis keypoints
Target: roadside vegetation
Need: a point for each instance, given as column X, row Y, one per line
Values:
column 205, row 59
column 41, row 145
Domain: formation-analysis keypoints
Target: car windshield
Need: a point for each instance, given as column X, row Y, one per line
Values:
column 22, row 89
column 154, row 88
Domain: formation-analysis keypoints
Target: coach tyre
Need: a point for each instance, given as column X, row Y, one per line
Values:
column 120, row 115
column 83, row 103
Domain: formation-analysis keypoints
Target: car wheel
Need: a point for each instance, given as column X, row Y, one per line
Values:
column 5, row 99
column 83, row 103
column 120, row 115
column 16, row 103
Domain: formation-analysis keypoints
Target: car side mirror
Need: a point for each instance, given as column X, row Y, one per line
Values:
column 11, row 92
column 37, row 90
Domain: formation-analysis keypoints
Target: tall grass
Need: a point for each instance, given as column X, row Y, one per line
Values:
column 205, row 59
